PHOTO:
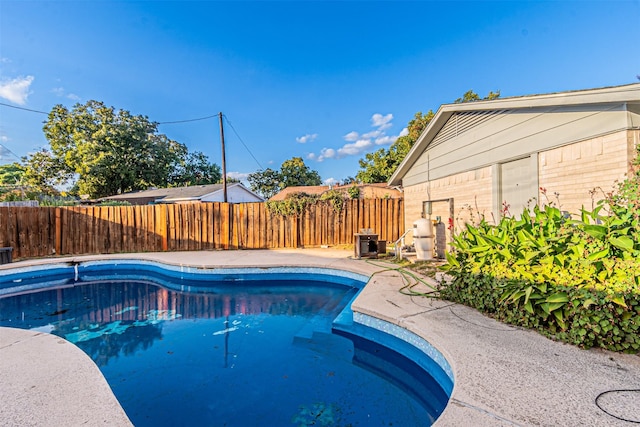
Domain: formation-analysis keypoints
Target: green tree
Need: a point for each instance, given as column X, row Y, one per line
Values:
column 265, row 182
column 43, row 172
column 195, row 169
column 11, row 179
column 470, row 96
column 349, row 180
column 294, row 172
column 380, row 165
column 108, row 151
column 11, row 174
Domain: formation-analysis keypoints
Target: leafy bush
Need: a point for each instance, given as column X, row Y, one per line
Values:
column 294, row 204
column 575, row 280
column 54, row 201
column 335, row 197
column 354, row 191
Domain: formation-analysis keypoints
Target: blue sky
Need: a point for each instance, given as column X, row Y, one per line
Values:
column 326, row 81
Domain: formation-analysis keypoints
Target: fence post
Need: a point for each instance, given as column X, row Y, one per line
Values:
column 161, row 225
column 58, row 235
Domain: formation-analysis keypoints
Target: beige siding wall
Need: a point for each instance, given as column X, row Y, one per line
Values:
column 513, row 135
column 574, row 170
column 472, row 193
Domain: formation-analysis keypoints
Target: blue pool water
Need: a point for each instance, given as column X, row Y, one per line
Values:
column 232, row 349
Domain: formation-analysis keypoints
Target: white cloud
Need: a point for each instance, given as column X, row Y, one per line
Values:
column 4, row 138
column 357, row 143
column 351, row 136
column 16, row 90
column 328, row 153
column 330, row 181
column 372, row 134
column 307, row 138
column 386, row 140
column 60, row 92
column 381, row 122
column 325, row 153
column 238, row 175
column 355, row 148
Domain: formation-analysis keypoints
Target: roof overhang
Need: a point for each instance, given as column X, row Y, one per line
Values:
column 608, row 95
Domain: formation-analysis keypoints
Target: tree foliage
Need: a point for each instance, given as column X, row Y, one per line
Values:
column 11, row 174
column 195, row 169
column 380, row 165
column 471, row 96
column 265, row 182
column 349, row 180
column 43, row 172
column 293, row 172
column 11, row 178
column 108, row 152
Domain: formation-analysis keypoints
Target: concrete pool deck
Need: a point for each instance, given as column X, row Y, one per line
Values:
column 504, row 376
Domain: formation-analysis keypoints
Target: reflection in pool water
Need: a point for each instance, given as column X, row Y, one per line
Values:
column 256, row 354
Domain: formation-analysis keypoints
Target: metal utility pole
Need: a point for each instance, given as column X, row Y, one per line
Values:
column 224, row 163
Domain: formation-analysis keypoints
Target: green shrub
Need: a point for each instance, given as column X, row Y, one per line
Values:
column 293, row 205
column 335, row 197
column 296, row 203
column 354, row 191
column 575, row 280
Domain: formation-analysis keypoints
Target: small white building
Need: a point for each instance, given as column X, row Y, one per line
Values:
column 480, row 158
column 236, row 193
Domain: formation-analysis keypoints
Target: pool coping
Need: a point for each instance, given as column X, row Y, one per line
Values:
column 503, row 375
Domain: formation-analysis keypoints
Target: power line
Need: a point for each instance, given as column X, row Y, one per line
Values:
column 3, row 148
column 228, row 122
column 22, row 108
column 241, row 141
column 160, row 123
column 188, row 120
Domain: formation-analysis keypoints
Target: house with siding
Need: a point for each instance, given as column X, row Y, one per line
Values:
column 236, row 193
column 496, row 157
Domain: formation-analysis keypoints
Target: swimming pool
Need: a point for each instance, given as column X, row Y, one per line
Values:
column 171, row 326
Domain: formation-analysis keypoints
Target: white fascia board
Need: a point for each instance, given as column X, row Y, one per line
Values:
column 432, row 129
column 618, row 94
column 176, row 199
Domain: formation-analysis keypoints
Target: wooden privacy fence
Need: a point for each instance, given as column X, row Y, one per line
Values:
column 45, row 231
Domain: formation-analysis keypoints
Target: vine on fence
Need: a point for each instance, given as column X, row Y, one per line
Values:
column 296, row 203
